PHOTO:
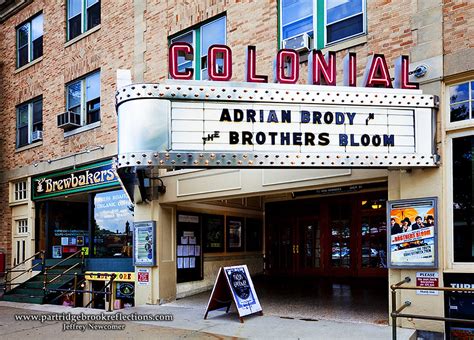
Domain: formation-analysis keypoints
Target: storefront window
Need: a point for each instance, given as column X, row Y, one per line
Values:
column 113, row 220
column 463, row 198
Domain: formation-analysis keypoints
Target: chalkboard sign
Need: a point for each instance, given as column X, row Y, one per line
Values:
column 234, row 284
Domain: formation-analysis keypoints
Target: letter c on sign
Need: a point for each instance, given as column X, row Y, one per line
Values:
column 174, row 51
column 219, row 52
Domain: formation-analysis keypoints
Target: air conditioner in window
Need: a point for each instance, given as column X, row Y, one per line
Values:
column 36, row 135
column 69, row 120
column 300, row 43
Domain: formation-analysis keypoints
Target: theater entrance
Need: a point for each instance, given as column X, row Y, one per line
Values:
column 337, row 236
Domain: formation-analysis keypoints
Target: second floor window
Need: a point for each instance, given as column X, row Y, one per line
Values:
column 325, row 21
column 83, row 98
column 201, row 38
column 29, row 126
column 29, row 40
column 82, row 15
column 461, row 101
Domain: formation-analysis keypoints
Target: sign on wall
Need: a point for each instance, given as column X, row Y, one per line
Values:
column 412, row 235
column 144, row 244
column 204, row 124
column 89, row 177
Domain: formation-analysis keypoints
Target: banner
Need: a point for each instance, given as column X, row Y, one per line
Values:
column 412, row 235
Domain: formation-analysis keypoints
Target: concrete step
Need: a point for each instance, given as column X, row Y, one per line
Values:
column 25, row 298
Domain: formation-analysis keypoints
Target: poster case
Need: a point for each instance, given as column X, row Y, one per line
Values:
column 144, row 244
column 412, row 235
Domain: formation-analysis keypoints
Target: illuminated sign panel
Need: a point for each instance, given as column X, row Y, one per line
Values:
column 219, row 124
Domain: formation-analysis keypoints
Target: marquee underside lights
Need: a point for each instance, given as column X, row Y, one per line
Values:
column 228, row 124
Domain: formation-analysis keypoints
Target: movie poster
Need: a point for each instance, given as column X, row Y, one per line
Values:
column 412, row 233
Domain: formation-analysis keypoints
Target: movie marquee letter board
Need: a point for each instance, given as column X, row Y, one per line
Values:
column 188, row 248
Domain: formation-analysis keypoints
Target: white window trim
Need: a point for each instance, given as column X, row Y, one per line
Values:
column 449, row 221
column 315, row 25
column 364, row 24
column 17, row 225
column 462, row 124
column 30, row 122
column 30, row 41
column 83, row 106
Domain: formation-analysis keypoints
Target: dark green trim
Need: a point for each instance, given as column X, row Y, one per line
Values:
column 319, row 24
column 197, row 52
column 70, row 171
column 81, row 189
column 278, row 24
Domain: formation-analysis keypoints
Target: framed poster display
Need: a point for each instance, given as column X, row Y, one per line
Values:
column 144, row 244
column 412, row 235
column 235, row 233
column 188, row 254
column 213, row 229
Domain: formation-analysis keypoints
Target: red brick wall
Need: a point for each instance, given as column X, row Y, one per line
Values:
column 458, row 25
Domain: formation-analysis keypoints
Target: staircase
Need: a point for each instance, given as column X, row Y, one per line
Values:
column 59, row 275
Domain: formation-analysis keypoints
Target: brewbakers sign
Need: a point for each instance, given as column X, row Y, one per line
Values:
column 185, row 123
column 89, row 177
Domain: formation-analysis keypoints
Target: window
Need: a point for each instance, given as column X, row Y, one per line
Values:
column 29, row 40
column 82, row 15
column 22, row 226
column 463, row 198
column 19, row 191
column 29, row 122
column 201, row 38
column 83, row 98
column 113, row 223
column 461, row 101
column 326, row 21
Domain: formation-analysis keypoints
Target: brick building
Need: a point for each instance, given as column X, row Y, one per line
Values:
column 85, row 52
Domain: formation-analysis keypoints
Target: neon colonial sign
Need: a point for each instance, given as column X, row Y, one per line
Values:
column 321, row 69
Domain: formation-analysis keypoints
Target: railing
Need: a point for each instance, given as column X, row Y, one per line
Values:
column 67, row 271
column 9, row 272
column 104, row 291
column 397, row 312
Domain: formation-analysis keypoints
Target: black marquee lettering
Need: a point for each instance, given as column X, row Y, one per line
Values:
column 309, row 138
column 251, row 115
column 260, row 138
column 247, row 138
column 238, row 115
column 323, row 139
column 233, row 137
column 225, row 116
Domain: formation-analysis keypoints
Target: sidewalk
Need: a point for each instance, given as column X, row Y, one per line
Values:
column 218, row 323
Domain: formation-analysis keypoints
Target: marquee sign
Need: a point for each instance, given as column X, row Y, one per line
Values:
column 226, row 124
column 89, row 177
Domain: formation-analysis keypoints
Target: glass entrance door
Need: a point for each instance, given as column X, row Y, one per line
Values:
column 340, row 235
column 308, row 245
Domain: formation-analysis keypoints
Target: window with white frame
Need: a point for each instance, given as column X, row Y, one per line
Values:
column 461, row 101
column 201, row 38
column 326, row 21
column 463, row 198
column 22, row 226
column 29, row 40
column 20, row 191
column 82, row 15
column 83, row 98
column 29, row 122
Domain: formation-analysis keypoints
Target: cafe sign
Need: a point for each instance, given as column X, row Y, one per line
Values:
column 247, row 125
column 89, row 177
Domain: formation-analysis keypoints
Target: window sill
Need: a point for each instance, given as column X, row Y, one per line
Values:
column 82, row 36
column 82, row 129
column 465, row 124
column 31, row 63
column 16, row 203
column 345, row 44
column 29, row 146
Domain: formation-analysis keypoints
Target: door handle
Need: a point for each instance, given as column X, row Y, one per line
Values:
column 297, row 249
column 294, row 249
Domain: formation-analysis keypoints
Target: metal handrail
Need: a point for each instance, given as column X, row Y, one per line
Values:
column 8, row 273
column 63, row 273
column 67, row 258
column 103, row 291
column 397, row 313
column 29, row 258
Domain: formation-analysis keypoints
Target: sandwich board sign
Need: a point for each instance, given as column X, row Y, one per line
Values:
column 233, row 284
